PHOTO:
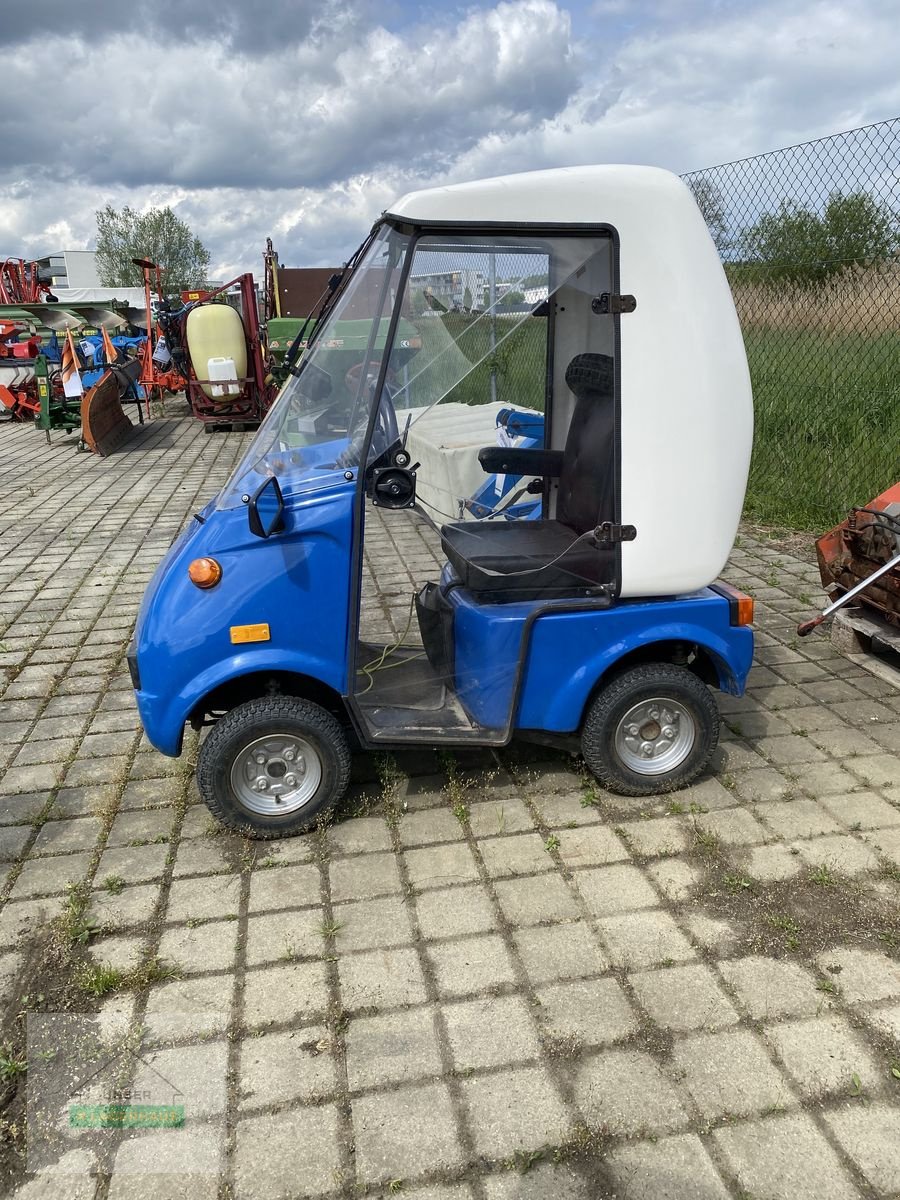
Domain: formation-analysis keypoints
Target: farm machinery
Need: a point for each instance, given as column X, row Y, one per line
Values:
column 210, row 349
column 859, row 560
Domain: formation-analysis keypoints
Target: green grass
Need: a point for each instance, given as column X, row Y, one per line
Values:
column 827, row 423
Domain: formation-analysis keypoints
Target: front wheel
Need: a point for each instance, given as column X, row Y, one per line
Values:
column 652, row 729
column 272, row 767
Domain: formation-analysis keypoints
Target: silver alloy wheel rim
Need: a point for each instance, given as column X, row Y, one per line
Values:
column 655, row 736
column 275, row 775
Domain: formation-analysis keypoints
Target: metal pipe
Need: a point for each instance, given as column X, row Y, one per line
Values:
column 808, row 626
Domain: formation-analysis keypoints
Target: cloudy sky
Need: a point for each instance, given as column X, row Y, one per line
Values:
column 303, row 120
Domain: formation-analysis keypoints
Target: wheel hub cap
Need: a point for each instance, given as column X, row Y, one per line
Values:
column 655, row 736
column 276, row 775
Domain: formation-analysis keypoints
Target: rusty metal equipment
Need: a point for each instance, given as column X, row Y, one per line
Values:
column 20, row 282
column 860, row 559
column 104, row 425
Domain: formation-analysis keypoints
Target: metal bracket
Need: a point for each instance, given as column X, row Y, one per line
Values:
column 608, row 532
column 613, row 302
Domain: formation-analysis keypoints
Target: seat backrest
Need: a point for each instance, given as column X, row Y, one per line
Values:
column 587, row 479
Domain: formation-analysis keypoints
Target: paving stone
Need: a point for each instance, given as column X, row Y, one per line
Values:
column 885, row 1019
column 198, row 1072
column 121, row 953
column 568, row 951
column 769, row 987
column 394, row 1048
column 48, row 876
column 458, row 911
column 708, row 795
column 590, row 846
column 271, row 1160
column 783, row 1158
column 133, row 864
column 204, row 857
column 494, row 817
column 490, row 1032
column 279, row 1068
column 431, row 825
column 544, row 1181
column 280, row 937
column 470, row 965
column 16, row 810
column 671, row 1168
column 797, row 818
column 616, row 889
column 514, row 1110
column 141, row 826
column 823, row 1054
column 736, row 827
column 132, row 906
column 208, row 947
column 56, row 837
column 567, row 811
column 364, row 876
column 213, row 896
column 886, row 842
column 763, row 783
column 281, row 887
column 730, row 1073
column 878, row 770
column 595, row 1012
column 130, row 1182
column 771, row 863
column 684, row 998
column 290, row 992
column 188, row 1008
column 675, row 878
column 440, row 866
column 536, row 900
column 624, row 1092
column 381, row 1131
column 841, row 853
column 862, row 809
column 22, row 917
column 363, row 835
column 519, row 854
column 861, row 975
column 661, row 835
column 381, row 979
column 644, row 939
column 151, row 793
column 371, row 924
column 870, row 1136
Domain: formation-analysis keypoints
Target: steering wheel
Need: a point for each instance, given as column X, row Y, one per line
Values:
column 386, row 430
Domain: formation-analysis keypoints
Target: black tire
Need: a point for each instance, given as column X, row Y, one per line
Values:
column 275, row 717
column 591, row 374
column 612, row 761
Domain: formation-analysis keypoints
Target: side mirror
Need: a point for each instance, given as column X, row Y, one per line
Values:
column 265, row 511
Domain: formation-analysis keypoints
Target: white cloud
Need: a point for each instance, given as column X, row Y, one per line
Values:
column 308, row 137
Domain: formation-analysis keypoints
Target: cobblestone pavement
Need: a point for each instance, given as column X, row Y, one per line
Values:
column 488, row 979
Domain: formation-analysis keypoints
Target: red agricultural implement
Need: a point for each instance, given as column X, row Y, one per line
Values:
column 20, row 282
column 860, row 560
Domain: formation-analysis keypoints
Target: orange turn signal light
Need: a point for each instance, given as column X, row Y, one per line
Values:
column 740, row 605
column 204, row 572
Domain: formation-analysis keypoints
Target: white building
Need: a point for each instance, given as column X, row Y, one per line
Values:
column 70, row 269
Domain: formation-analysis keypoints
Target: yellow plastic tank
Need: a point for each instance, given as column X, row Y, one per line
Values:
column 216, row 331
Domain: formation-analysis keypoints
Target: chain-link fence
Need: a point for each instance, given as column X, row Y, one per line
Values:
column 810, row 238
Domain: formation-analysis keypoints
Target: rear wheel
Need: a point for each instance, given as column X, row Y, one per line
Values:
column 272, row 767
column 651, row 729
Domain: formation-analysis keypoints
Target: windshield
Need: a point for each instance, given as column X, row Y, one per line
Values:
column 471, row 327
column 320, row 416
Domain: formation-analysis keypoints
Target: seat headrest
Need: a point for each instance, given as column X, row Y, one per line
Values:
column 591, row 375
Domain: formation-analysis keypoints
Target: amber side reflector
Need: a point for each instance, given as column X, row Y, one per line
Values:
column 740, row 605
column 250, row 633
column 204, row 572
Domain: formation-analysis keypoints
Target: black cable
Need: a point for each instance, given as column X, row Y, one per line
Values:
column 881, row 516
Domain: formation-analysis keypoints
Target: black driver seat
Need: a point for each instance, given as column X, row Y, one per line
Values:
column 514, row 560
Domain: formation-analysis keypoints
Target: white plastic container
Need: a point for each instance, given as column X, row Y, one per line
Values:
column 222, row 374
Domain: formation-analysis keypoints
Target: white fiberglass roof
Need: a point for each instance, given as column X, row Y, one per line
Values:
column 579, row 195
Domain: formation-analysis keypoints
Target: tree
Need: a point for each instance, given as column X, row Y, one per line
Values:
column 806, row 247
column 156, row 234
column 711, row 203
column 511, row 298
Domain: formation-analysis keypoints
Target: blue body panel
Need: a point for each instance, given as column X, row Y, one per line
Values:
column 568, row 652
column 297, row 582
